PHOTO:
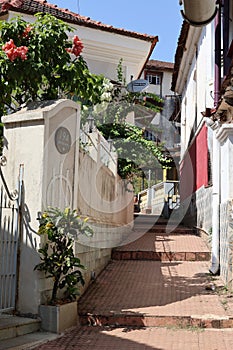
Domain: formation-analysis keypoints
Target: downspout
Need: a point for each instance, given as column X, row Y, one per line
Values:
column 217, row 66
column 215, row 259
column 225, row 29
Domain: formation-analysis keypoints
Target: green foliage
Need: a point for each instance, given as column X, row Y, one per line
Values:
column 134, row 151
column 120, row 75
column 47, row 71
column 58, row 261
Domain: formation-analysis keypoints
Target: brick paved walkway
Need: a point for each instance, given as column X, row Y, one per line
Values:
column 152, row 304
column 97, row 338
column 152, row 293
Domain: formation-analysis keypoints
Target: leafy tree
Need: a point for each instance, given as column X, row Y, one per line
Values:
column 38, row 61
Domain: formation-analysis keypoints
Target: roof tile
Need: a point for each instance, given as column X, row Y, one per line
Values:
column 34, row 6
column 159, row 65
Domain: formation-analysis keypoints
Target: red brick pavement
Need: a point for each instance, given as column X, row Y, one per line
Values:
column 138, row 296
column 180, row 245
column 163, row 242
column 154, row 293
column 97, row 338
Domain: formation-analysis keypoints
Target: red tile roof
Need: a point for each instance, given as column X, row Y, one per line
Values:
column 34, row 6
column 160, row 65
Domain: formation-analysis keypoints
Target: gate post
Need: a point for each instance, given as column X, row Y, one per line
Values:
column 44, row 137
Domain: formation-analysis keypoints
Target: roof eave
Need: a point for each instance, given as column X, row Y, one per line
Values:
column 73, row 18
column 153, row 44
column 179, row 53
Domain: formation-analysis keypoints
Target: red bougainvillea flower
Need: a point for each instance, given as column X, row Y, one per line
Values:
column 9, row 45
column 7, row 4
column 27, row 31
column 9, row 49
column 12, row 51
column 22, row 52
column 77, row 46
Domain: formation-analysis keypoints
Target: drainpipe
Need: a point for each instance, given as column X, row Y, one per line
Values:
column 225, row 30
column 198, row 12
column 215, row 262
column 217, row 66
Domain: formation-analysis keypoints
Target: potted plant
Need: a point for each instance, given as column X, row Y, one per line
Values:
column 58, row 262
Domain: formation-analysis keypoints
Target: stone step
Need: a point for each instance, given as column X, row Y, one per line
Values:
column 27, row 341
column 14, row 326
column 153, row 219
column 160, row 256
column 163, row 229
column 139, row 320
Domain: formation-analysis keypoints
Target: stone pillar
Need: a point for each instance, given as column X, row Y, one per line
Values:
column 44, row 137
column 225, row 138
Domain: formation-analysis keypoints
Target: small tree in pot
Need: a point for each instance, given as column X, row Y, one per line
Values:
column 58, row 261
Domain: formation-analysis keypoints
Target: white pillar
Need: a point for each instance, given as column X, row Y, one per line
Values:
column 216, row 166
column 45, row 139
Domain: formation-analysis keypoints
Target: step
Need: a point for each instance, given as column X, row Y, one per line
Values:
column 156, row 294
column 27, row 341
column 180, row 245
column 139, row 320
column 160, row 256
column 14, row 326
column 163, row 229
column 153, row 219
column 156, row 219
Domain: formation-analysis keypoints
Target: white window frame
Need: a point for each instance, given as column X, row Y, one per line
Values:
column 154, row 79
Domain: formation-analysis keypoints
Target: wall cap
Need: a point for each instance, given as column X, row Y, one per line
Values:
column 224, row 132
column 39, row 111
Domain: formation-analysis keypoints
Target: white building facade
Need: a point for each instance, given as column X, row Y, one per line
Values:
column 202, row 76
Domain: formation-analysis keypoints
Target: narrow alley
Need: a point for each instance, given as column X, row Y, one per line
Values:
column 156, row 293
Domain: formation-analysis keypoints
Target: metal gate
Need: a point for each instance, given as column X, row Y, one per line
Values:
column 10, row 204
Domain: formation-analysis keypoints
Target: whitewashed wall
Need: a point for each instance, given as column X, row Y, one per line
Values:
column 195, row 81
column 166, row 85
column 103, row 50
column 61, row 179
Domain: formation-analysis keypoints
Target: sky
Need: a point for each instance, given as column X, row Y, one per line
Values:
column 160, row 18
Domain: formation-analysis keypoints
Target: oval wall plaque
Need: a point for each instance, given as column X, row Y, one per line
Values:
column 62, row 140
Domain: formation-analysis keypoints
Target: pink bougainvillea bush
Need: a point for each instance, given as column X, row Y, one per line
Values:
column 41, row 61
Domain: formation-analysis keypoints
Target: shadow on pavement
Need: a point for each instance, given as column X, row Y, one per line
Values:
column 99, row 338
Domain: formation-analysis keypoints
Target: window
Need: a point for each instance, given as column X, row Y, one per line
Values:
column 154, row 79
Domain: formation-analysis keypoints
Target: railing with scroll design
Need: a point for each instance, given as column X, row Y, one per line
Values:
column 9, row 240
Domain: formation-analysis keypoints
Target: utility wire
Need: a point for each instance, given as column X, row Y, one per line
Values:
column 78, row 5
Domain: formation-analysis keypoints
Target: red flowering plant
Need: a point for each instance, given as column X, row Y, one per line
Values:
column 39, row 61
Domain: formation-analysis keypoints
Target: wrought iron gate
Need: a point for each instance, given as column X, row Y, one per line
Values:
column 10, row 204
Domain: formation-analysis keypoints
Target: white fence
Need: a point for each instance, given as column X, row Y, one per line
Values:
column 99, row 149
